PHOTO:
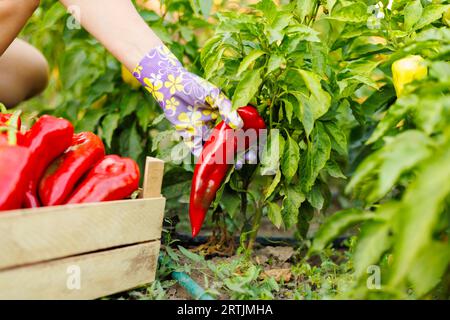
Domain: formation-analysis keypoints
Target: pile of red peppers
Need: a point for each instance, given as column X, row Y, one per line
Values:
column 51, row 165
column 214, row 162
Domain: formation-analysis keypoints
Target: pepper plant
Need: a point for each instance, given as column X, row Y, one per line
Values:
column 403, row 182
column 294, row 63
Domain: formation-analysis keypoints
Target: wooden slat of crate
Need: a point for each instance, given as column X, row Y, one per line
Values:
column 28, row 236
column 101, row 273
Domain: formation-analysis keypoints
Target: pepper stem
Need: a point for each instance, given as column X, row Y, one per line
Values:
column 11, row 128
column 3, row 108
column 255, row 227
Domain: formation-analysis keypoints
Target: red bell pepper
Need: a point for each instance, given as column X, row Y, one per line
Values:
column 61, row 176
column 47, row 139
column 213, row 166
column 113, row 178
column 15, row 166
column 13, row 176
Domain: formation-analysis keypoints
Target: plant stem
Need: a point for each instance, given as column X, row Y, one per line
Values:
column 255, row 227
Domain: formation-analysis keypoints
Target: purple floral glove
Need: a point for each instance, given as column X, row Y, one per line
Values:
column 190, row 103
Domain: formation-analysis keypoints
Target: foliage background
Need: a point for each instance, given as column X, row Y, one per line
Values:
column 319, row 71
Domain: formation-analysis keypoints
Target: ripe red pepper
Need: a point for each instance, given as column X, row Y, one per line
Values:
column 13, row 176
column 212, row 166
column 113, row 178
column 47, row 139
column 61, row 176
column 15, row 166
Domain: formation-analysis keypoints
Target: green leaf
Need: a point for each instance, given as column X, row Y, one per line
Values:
column 219, row 193
column 272, row 152
column 274, row 214
column 440, row 70
column 319, row 150
column 275, row 62
column 53, row 15
column 372, row 242
column 336, row 225
column 413, row 12
column 246, row 89
column 355, row 12
column 291, row 159
column 268, row 8
column 315, row 197
column 334, row 170
column 304, row 219
column 304, row 8
column 90, row 120
column 289, row 109
column 276, row 180
column 172, row 254
column 320, row 100
column 303, row 32
column 430, row 113
column 128, row 104
column 213, row 62
column 276, row 30
column 395, row 113
column 291, row 204
column 429, row 267
column 422, row 205
column 205, row 7
column 143, row 116
column 258, row 186
column 130, row 143
column 210, row 48
column 73, row 69
column 248, row 60
column 230, row 202
column 330, row 5
column 109, row 125
column 430, row 14
column 338, row 137
column 303, row 111
column 401, row 155
column 190, row 255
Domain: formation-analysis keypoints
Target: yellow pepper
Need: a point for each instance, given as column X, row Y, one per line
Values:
column 129, row 79
column 446, row 18
column 406, row 70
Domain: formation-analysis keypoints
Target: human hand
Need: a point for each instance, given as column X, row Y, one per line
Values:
column 190, row 103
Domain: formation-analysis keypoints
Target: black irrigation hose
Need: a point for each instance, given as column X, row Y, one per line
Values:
column 187, row 240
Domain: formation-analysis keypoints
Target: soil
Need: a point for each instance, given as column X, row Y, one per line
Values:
column 275, row 261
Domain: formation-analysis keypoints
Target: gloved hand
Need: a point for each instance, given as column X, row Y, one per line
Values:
column 190, row 103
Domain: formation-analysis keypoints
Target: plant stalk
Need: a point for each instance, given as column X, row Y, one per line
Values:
column 255, row 227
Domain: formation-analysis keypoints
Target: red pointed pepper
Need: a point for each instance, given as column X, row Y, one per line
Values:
column 14, row 175
column 47, row 139
column 15, row 167
column 61, row 176
column 212, row 166
column 113, row 178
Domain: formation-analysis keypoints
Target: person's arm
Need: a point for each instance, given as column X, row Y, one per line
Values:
column 189, row 102
column 14, row 14
column 118, row 27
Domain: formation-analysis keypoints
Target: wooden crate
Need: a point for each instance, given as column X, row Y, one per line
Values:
column 83, row 251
